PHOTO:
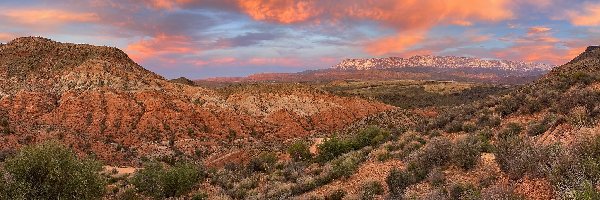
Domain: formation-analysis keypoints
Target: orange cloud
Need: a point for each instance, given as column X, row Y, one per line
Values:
column 161, row 45
column 538, row 29
column 540, row 46
column 411, row 18
column 590, row 16
column 396, row 43
column 47, row 16
column 283, row 11
column 540, row 53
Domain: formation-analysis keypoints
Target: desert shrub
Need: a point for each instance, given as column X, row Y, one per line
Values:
column 397, row 181
column 518, row 156
column 509, row 105
column 484, row 136
column 469, row 127
column 6, row 153
column 486, row 120
column 263, row 162
column 332, row 148
column 299, row 151
column 341, row 167
column 576, row 165
column 159, row 182
column 434, row 153
column 51, row 171
column 587, row 191
column 369, row 137
column 454, row 127
column 3, row 186
column 338, row 194
column 582, row 77
column 436, row 177
column 129, row 194
column 512, row 129
column 200, row 196
column 587, row 152
column 463, row 192
column 465, row 152
column 537, row 128
column 346, row 166
column 371, row 189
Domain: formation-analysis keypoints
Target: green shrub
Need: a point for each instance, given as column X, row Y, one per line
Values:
column 370, row 136
column 538, row 128
column 299, row 151
column 435, row 153
column 51, row 171
column 509, row 105
column 469, row 127
column 346, row 166
column 454, row 127
column 200, row 196
column 338, row 194
column 463, row 192
column 587, row 191
column 465, row 152
column 397, row 181
column 371, row 189
column 512, row 129
column 3, row 186
column 582, row 77
column 156, row 181
column 332, row 148
column 263, row 162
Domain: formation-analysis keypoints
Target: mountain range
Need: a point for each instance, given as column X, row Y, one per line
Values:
column 447, row 68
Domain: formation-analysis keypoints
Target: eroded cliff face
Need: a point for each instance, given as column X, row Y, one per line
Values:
column 100, row 102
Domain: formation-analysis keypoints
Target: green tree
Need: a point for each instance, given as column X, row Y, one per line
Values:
column 51, row 171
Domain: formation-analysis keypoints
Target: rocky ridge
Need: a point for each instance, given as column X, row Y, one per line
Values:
column 100, row 102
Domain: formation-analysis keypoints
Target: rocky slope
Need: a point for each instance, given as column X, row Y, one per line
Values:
column 102, row 103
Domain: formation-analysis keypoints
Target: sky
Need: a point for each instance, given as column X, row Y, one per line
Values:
column 214, row 38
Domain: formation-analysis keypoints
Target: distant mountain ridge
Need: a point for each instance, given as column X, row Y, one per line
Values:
column 446, row 62
column 443, row 68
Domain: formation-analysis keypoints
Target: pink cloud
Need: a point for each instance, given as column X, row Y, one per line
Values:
column 589, row 16
column 47, row 16
column 161, row 44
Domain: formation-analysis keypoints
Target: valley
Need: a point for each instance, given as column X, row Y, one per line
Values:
column 330, row 134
